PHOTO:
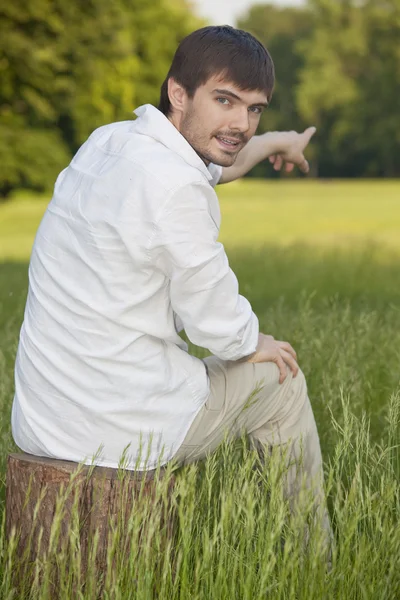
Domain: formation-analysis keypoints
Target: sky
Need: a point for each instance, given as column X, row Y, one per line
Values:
column 225, row 12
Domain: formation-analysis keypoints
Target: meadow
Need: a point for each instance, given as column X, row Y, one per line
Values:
column 320, row 263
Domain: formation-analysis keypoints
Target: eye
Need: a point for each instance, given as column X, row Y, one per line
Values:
column 257, row 110
column 223, row 101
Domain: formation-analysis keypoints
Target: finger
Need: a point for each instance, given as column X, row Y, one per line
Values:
column 304, row 166
column 278, row 163
column 308, row 133
column 288, row 347
column 272, row 158
column 280, row 363
column 290, row 361
column 289, row 167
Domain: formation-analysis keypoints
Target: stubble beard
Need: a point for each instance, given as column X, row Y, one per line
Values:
column 191, row 132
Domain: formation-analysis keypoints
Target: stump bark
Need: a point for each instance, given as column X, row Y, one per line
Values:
column 46, row 499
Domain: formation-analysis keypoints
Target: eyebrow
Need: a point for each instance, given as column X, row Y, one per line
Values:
column 232, row 95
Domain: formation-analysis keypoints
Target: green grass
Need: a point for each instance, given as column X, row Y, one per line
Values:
column 320, row 264
column 256, row 213
column 314, row 213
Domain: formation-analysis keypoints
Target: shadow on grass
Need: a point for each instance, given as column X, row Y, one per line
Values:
column 364, row 275
column 13, row 290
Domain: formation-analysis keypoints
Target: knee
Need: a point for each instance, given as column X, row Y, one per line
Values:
column 299, row 381
column 268, row 374
column 297, row 394
column 292, row 384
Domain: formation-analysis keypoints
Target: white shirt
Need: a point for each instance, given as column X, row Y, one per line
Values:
column 125, row 256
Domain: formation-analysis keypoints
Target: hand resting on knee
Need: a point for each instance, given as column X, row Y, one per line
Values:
column 271, row 350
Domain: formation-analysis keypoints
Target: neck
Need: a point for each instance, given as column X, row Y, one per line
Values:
column 176, row 122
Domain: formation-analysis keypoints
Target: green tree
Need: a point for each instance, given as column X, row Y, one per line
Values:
column 67, row 67
column 31, row 149
column 350, row 85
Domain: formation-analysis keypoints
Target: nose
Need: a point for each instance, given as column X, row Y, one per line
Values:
column 240, row 120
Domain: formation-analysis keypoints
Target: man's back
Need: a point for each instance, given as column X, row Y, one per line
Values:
column 100, row 360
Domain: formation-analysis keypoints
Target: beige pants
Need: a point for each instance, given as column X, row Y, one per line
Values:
column 247, row 396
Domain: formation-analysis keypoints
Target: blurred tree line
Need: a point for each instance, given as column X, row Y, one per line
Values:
column 68, row 66
column 337, row 67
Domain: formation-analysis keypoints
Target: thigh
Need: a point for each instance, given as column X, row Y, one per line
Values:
column 242, row 396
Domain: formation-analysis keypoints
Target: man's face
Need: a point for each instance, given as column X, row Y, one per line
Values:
column 220, row 119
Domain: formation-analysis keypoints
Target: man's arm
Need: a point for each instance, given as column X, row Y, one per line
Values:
column 279, row 146
column 204, row 290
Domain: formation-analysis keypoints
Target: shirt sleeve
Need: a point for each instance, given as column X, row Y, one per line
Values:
column 215, row 172
column 204, row 290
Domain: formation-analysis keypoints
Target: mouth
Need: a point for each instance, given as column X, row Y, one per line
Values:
column 231, row 144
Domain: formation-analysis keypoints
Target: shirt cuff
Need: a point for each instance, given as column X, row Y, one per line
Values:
column 248, row 344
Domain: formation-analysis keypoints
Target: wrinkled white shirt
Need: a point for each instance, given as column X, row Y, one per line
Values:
column 125, row 256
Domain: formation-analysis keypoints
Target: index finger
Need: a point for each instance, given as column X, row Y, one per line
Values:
column 308, row 133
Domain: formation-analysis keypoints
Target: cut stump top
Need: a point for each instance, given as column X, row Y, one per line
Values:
column 66, row 467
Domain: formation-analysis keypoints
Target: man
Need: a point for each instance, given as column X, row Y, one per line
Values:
column 127, row 255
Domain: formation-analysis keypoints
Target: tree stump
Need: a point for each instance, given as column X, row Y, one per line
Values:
column 59, row 508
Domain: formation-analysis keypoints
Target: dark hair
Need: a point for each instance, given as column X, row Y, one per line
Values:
column 235, row 54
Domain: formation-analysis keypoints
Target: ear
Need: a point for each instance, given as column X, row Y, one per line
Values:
column 177, row 95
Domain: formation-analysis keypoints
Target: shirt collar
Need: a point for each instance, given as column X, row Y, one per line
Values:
column 154, row 123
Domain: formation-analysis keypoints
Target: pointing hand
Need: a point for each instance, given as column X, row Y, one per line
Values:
column 291, row 146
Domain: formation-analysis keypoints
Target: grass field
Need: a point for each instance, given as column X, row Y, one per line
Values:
column 320, row 263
